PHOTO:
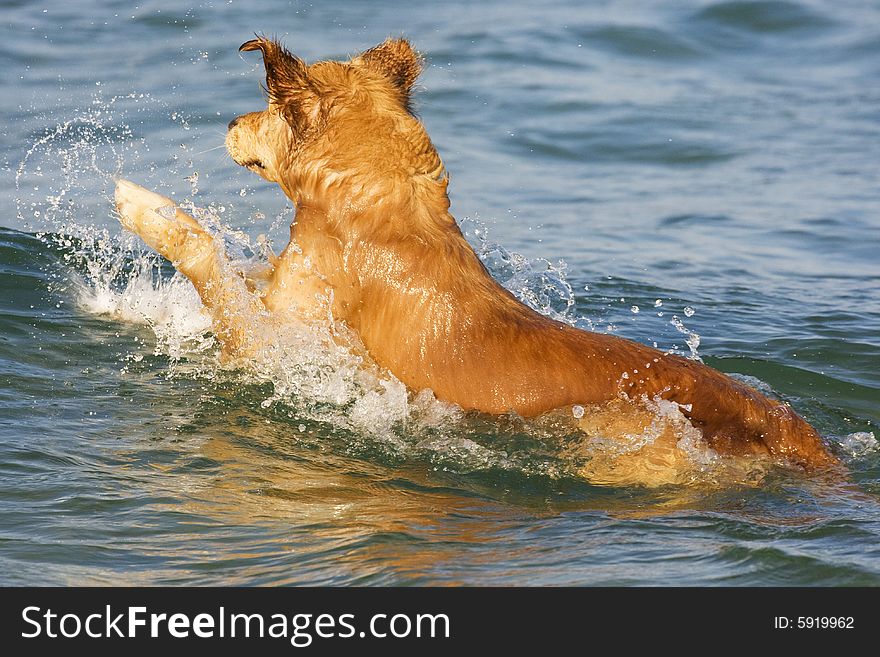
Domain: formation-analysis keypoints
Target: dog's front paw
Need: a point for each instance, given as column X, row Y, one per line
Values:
column 135, row 205
column 159, row 222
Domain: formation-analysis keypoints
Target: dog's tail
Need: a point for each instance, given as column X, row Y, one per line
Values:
column 737, row 419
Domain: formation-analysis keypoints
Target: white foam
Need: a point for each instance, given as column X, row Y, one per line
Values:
column 170, row 306
column 859, row 444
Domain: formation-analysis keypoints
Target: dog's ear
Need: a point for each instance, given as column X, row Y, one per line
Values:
column 287, row 79
column 396, row 60
column 286, row 74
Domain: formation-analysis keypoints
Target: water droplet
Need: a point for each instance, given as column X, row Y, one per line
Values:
column 692, row 339
column 193, row 180
column 634, row 310
column 689, row 311
column 578, row 411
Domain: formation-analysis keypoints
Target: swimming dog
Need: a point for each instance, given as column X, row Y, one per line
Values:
column 373, row 246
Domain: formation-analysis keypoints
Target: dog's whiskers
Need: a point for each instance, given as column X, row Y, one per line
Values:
column 210, row 149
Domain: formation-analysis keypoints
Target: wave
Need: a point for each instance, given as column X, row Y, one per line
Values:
column 763, row 16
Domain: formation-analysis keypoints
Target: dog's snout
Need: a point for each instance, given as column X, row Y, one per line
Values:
column 234, row 122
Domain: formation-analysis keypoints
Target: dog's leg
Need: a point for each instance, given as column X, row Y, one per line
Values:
column 296, row 291
column 658, row 461
column 193, row 252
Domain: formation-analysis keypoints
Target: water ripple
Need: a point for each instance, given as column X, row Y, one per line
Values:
column 763, row 16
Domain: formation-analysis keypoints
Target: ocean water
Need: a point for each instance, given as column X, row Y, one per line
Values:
column 701, row 174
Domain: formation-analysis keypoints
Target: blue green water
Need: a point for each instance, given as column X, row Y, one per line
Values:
column 713, row 163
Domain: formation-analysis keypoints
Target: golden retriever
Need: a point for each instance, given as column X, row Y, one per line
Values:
column 374, row 247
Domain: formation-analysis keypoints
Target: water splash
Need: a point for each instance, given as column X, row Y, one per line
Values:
column 538, row 283
column 692, row 339
column 169, row 306
column 859, row 444
column 65, row 179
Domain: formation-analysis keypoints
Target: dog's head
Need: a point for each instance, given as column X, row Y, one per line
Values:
column 346, row 123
